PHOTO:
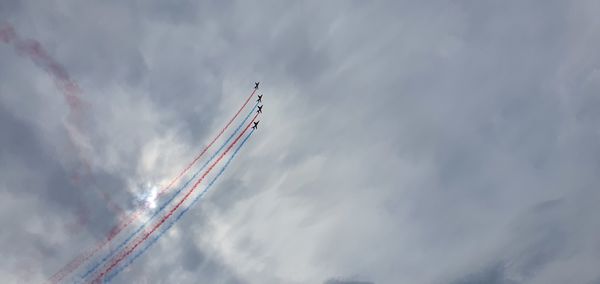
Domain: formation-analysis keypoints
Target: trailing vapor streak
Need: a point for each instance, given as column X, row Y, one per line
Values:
column 162, row 220
column 34, row 51
column 181, row 213
column 70, row 90
column 165, row 204
column 83, row 257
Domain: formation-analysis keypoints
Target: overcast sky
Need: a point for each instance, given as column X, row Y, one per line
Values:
column 401, row 141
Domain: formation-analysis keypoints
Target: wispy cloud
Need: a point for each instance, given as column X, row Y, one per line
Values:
column 401, row 142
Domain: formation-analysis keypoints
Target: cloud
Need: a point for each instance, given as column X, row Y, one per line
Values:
column 494, row 275
column 335, row 281
column 401, row 142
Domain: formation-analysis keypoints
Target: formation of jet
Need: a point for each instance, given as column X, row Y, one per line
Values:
column 255, row 126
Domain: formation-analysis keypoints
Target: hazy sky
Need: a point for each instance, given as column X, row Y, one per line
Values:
column 401, row 141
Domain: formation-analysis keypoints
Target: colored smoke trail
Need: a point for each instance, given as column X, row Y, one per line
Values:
column 122, row 256
column 156, row 238
column 35, row 51
column 208, row 146
column 83, row 257
column 165, row 204
column 71, row 92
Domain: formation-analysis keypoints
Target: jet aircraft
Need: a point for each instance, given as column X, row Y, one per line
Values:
column 259, row 109
column 255, row 124
column 256, row 85
column 259, row 98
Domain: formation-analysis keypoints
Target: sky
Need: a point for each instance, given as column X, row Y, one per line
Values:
column 401, row 141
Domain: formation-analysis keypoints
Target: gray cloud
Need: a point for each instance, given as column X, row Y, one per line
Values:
column 336, row 281
column 494, row 275
column 401, row 142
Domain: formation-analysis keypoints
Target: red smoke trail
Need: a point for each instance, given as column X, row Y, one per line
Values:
column 7, row 33
column 208, row 146
column 190, row 191
column 77, row 261
column 70, row 89
column 34, row 51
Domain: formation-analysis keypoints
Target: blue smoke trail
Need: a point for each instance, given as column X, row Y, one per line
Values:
column 111, row 253
column 181, row 213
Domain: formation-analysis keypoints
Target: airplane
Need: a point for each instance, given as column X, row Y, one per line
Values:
column 256, row 85
column 259, row 98
column 255, row 124
column 259, row 109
